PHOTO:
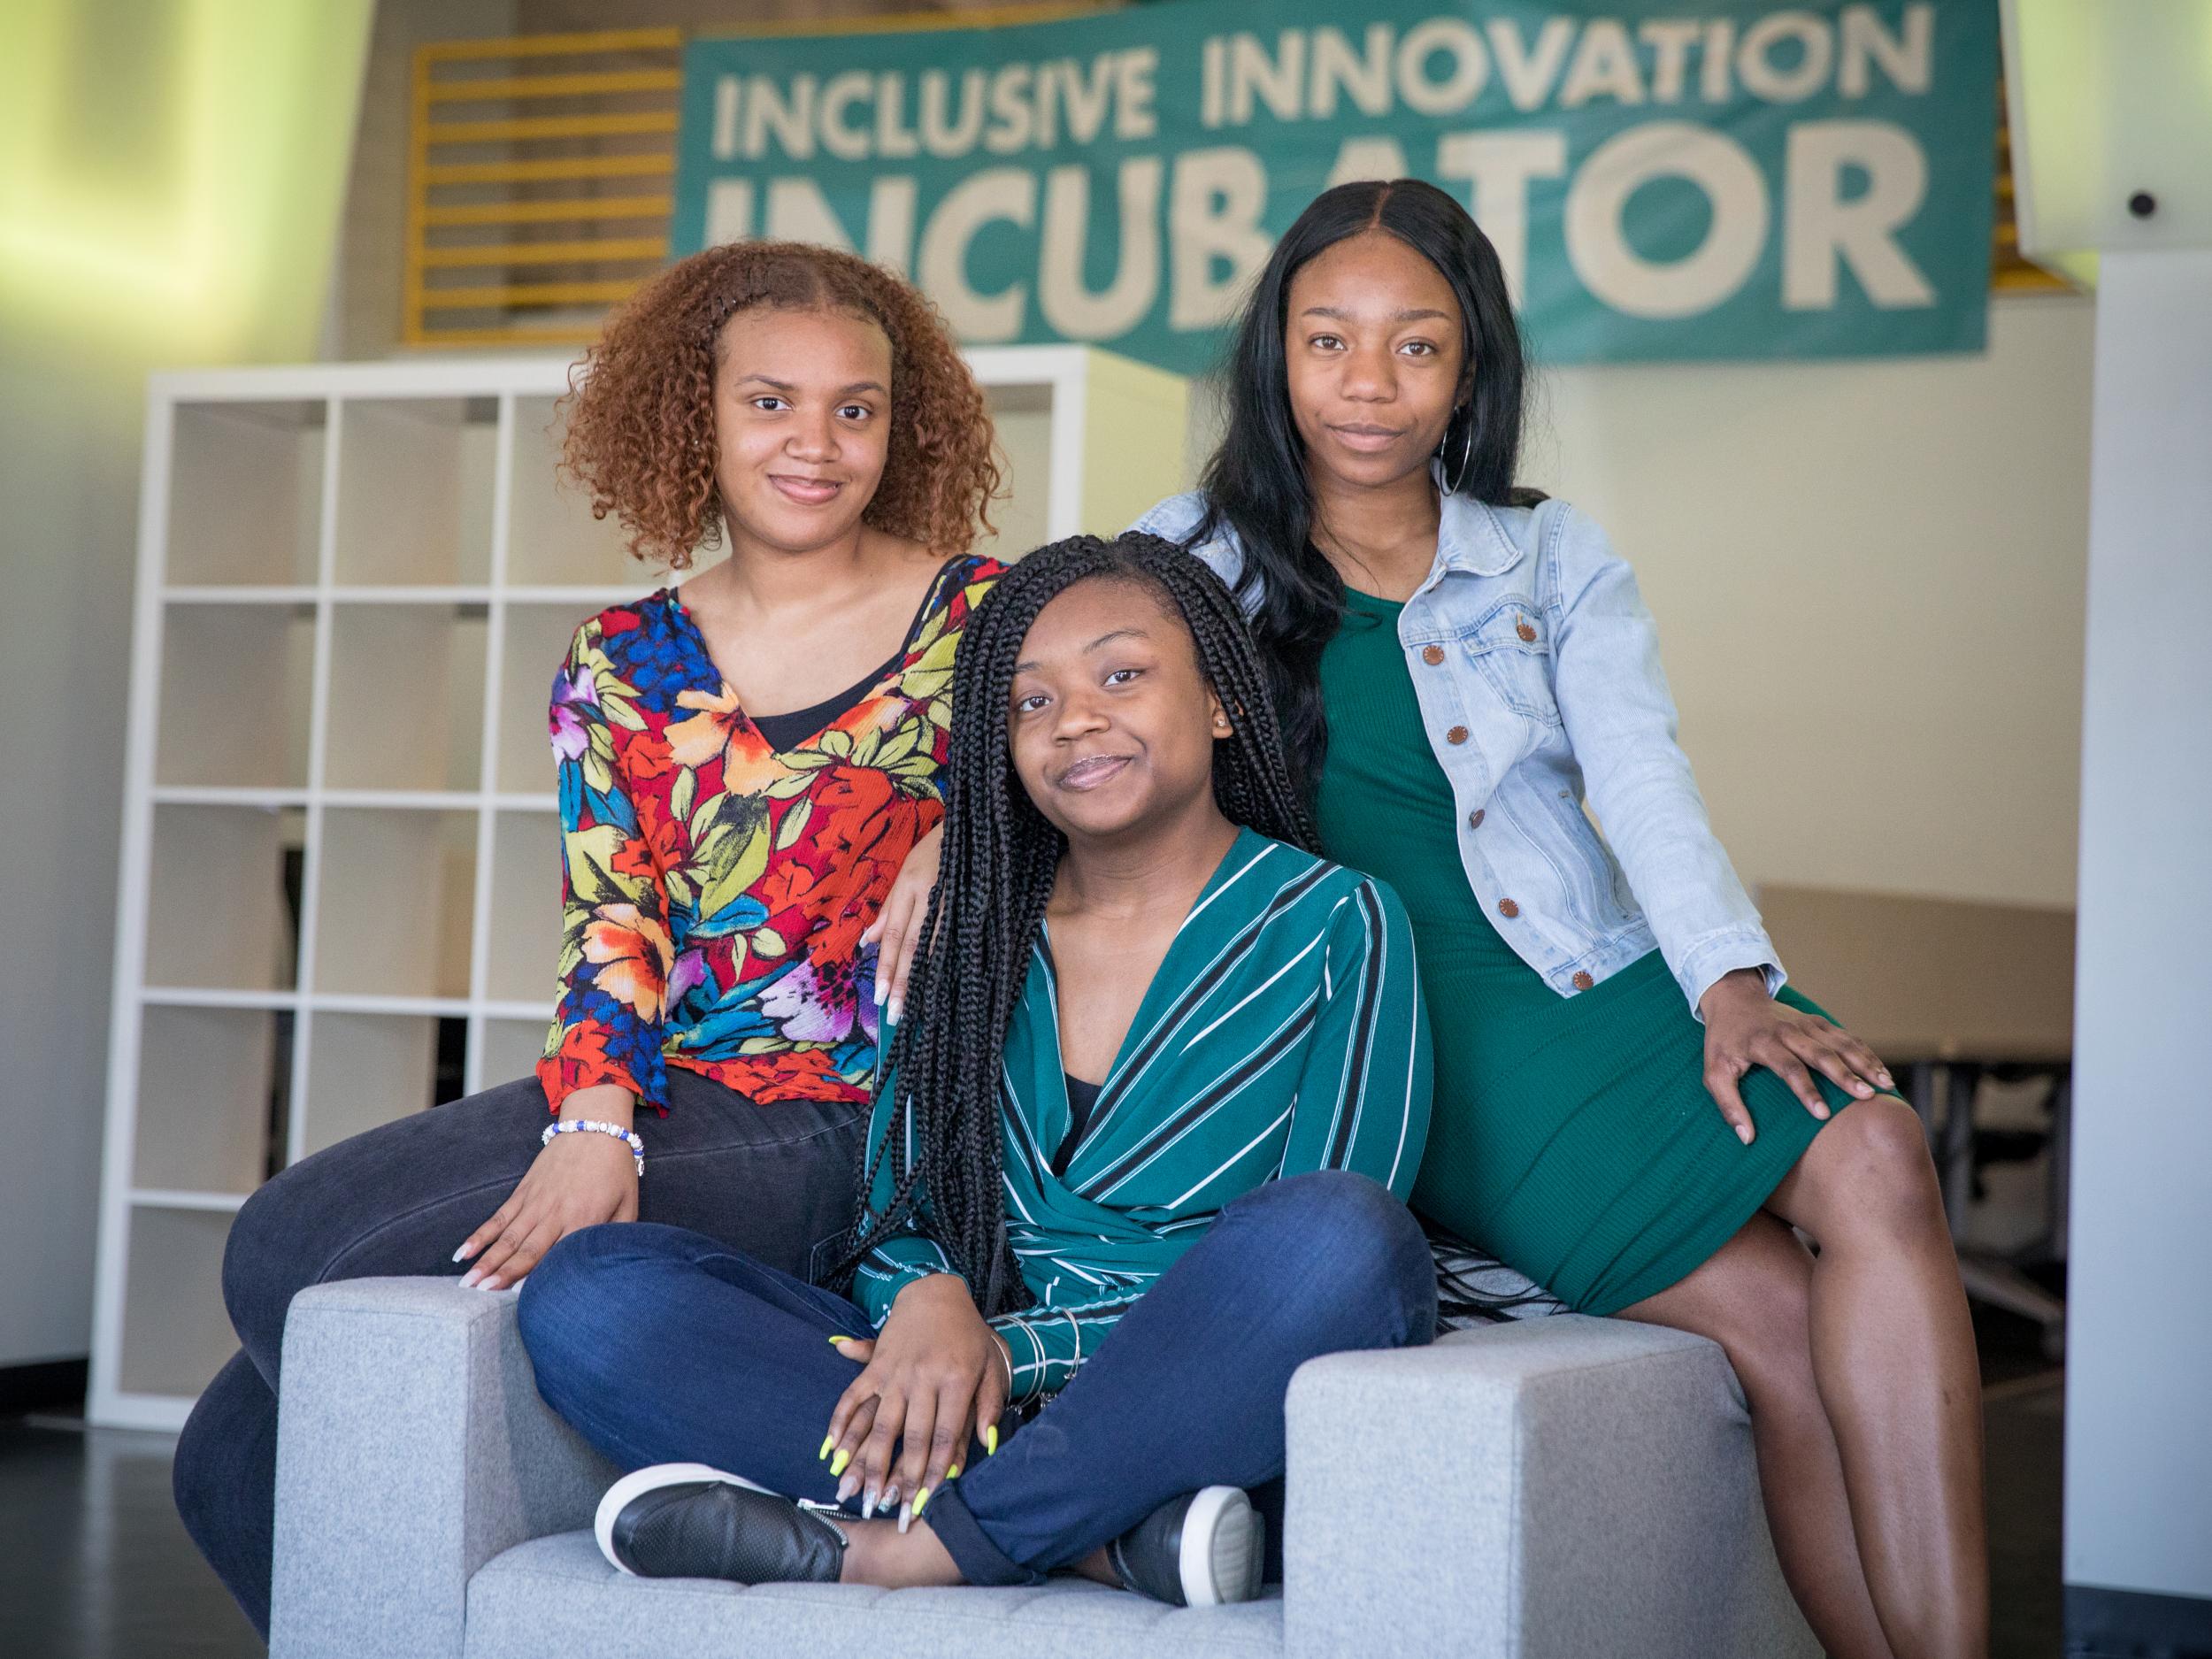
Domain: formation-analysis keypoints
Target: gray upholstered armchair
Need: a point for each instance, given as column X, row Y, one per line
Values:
column 1560, row 1486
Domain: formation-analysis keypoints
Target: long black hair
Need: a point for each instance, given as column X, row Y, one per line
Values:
column 1000, row 859
column 1255, row 483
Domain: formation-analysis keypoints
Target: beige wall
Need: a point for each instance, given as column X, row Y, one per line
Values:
column 1869, row 580
column 365, row 298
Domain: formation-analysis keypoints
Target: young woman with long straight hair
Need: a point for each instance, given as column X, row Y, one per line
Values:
column 1631, row 1107
column 1138, row 1153
column 741, row 766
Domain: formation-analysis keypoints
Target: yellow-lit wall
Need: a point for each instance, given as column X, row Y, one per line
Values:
column 170, row 180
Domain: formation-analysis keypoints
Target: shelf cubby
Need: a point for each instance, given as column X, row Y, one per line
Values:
column 406, row 697
column 213, row 1087
column 1023, row 416
column 175, row 1332
column 364, row 1070
column 536, row 645
column 237, row 695
column 220, row 914
column 414, row 491
column 253, row 515
column 552, row 539
column 395, row 903
column 511, row 1048
column 525, row 934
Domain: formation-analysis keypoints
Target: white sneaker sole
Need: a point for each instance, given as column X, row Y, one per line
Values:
column 1223, row 1547
column 638, row 1482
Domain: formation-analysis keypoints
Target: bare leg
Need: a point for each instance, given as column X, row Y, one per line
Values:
column 877, row 1554
column 1752, row 1297
column 1892, row 1350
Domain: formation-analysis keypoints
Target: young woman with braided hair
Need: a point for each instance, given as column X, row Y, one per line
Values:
column 1139, row 1152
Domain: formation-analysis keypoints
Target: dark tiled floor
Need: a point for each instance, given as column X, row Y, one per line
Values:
column 96, row 1565
column 2022, row 1399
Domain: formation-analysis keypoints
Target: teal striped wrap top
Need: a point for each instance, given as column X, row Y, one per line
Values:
column 1284, row 1032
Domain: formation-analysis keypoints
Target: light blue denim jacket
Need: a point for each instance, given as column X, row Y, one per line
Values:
column 1550, row 674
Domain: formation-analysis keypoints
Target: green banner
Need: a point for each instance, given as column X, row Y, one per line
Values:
column 1738, row 180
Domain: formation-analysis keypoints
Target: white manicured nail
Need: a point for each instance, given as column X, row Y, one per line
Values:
column 459, row 1252
column 891, row 1015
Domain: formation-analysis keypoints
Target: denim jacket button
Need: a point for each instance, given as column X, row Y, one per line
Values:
column 1527, row 630
column 1507, row 908
column 1457, row 734
column 1431, row 655
column 1582, row 982
column 1475, row 818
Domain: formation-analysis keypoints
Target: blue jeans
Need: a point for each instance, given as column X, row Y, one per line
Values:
column 778, row 1180
column 662, row 1346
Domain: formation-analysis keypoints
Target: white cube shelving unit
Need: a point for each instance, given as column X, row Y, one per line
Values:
column 354, row 583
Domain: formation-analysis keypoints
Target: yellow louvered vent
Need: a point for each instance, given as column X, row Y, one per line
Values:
column 538, row 183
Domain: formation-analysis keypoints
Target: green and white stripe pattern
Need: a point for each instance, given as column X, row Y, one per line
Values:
column 1284, row 1032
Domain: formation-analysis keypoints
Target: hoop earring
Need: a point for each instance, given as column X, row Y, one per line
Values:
column 1455, row 473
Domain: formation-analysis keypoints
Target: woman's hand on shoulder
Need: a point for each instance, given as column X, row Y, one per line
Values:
column 576, row 1181
column 934, row 1377
column 1746, row 1027
column 897, row 932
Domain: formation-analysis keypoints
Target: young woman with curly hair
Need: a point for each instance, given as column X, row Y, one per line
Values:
column 741, row 768
column 1138, row 1153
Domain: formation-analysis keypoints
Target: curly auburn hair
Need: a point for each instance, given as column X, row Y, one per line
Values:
column 640, row 405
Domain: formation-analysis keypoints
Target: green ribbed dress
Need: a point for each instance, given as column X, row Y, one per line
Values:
column 1572, row 1136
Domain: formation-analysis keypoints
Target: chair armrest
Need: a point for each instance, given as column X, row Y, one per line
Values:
column 411, row 1447
column 1556, row 1488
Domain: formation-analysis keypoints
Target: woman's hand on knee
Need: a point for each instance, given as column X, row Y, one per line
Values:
column 578, row 1181
column 935, row 1376
column 1746, row 1027
column 897, row 931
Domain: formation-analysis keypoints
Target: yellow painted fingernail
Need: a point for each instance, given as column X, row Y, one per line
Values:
column 838, row 1462
column 953, row 1473
column 836, row 1340
column 828, row 1440
column 921, row 1499
column 990, row 1440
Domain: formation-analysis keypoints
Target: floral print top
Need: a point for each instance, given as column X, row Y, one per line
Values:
column 714, row 889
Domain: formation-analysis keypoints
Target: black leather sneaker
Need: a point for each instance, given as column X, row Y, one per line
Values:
column 1200, row 1550
column 688, row 1521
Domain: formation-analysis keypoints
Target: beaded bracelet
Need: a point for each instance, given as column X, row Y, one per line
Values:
column 636, row 1145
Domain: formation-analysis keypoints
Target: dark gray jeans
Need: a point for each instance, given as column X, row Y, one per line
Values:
column 775, row 1182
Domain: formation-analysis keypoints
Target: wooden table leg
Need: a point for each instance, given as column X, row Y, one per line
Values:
column 1955, row 1161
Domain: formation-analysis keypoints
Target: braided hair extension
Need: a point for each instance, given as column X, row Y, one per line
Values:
column 1001, row 857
